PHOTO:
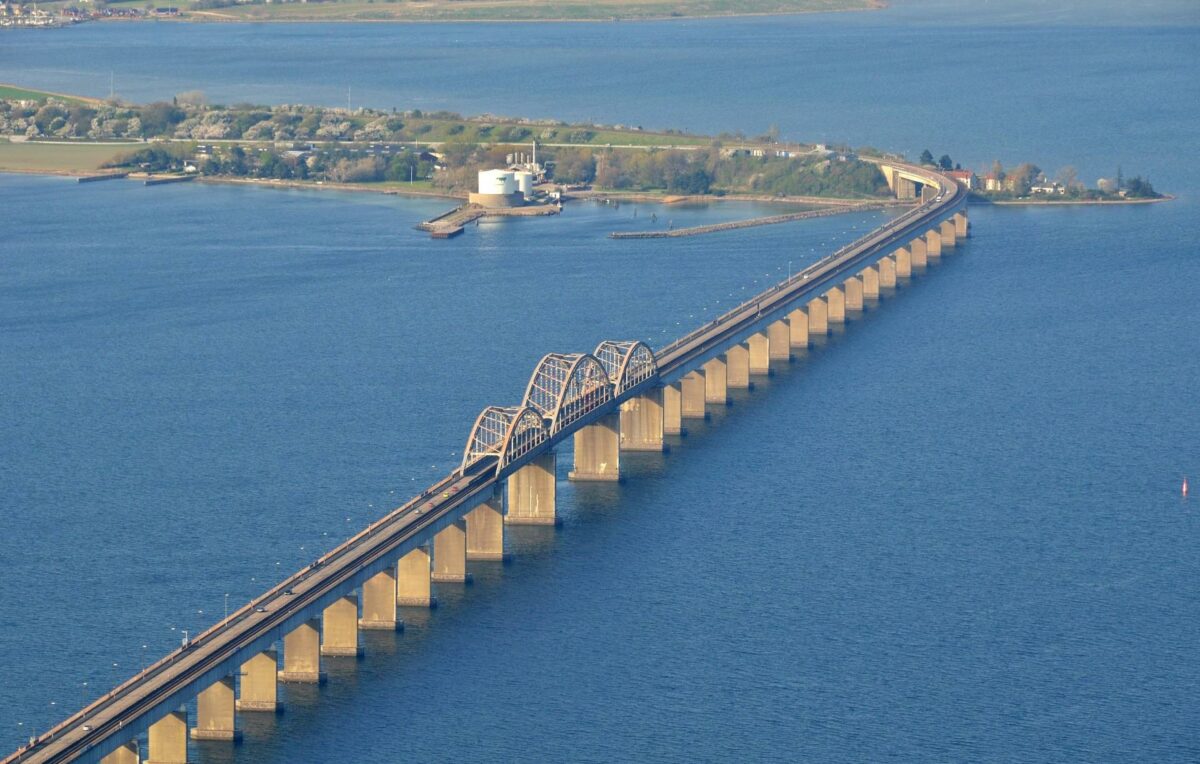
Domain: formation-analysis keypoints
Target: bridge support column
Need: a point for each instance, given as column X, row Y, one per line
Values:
column 339, row 632
column 737, row 367
column 933, row 244
column 692, row 400
column 168, row 739
column 854, row 294
column 818, row 316
column 126, row 754
column 870, row 282
column 760, row 353
column 920, row 253
column 485, row 528
column 302, row 654
column 642, row 422
column 962, row 227
column 903, row 263
column 716, row 381
column 450, row 554
column 531, row 493
column 260, row 686
column 949, row 239
column 413, row 579
column 837, row 305
column 887, row 273
column 214, row 712
column 598, row 450
column 798, row 329
column 673, row 409
column 379, row 602
column 779, row 341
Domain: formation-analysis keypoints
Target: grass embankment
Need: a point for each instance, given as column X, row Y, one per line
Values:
column 14, row 93
column 519, row 10
column 57, row 158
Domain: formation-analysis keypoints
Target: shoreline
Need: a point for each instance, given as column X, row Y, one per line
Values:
column 1073, row 202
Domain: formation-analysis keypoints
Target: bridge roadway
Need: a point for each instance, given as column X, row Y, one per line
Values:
column 130, row 708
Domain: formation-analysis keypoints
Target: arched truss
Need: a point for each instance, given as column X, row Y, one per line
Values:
column 627, row 363
column 566, row 386
column 505, row 432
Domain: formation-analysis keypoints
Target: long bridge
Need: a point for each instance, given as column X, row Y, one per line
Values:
column 621, row 397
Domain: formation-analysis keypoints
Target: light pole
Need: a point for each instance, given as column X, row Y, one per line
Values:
column 144, row 661
column 226, row 607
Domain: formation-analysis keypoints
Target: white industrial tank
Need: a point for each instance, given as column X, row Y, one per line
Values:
column 524, row 181
column 496, row 182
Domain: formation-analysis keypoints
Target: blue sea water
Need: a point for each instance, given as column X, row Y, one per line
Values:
column 951, row 532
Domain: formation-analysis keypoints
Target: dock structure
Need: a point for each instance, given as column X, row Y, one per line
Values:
column 621, row 397
column 451, row 224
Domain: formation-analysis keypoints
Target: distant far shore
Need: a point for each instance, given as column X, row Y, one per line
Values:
column 1071, row 202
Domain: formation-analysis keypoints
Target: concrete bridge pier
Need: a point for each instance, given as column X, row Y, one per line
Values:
column 933, row 244
column 597, row 451
column 737, row 367
column 450, row 554
column 949, row 237
column 779, row 341
column 903, row 263
column 887, row 273
column 818, row 316
column 642, row 422
column 413, row 580
column 260, row 683
column 168, row 739
column 870, row 282
column 485, row 528
column 532, row 492
column 339, row 628
column 920, row 253
column 673, row 409
column 837, row 305
column 854, row 294
column 126, row 754
column 379, row 602
column 716, row 388
column 302, row 654
column 215, row 712
column 798, row 326
column 692, row 395
column 760, row 353
column 962, row 226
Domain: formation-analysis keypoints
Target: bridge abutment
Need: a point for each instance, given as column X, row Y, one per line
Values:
column 379, row 602
column 887, row 273
column 779, row 341
column 128, row 753
column 339, row 627
column 737, row 367
column 798, row 327
column 642, row 422
column 837, row 305
column 818, row 316
column 215, row 718
column 168, row 739
column 450, row 554
column 302, row 654
column 716, row 378
column 260, row 685
column 485, row 529
column 692, row 398
column 531, row 493
column 598, row 450
column 413, row 579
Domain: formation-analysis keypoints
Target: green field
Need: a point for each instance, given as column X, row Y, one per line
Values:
column 517, row 10
column 14, row 93
column 57, row 157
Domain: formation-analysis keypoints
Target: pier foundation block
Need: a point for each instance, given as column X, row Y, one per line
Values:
column 302, row 654
column 642, row 422
column 485, row 529
column 532, row 493
column 597, row 451
column 413, row 576
column 692, row 401
column 737, row 367
column 260, row 683
column 779, row 341
column 339, row 632
column 215, row 712
column 798, row 326
column 168, row 739
column 379, row 602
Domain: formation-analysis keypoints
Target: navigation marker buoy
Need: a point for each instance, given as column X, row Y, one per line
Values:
column 1185, row 488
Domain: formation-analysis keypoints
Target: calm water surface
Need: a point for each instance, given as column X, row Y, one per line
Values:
column 952, row 532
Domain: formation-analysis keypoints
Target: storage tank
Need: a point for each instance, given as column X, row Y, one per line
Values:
column 496, row 182
column 524, row 181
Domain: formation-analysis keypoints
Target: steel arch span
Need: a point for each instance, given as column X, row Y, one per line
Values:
column 628, row 363
column 566, row 386
column 507, row 433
